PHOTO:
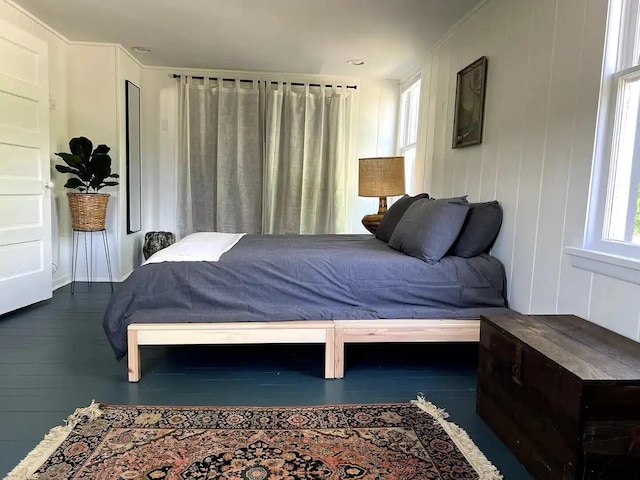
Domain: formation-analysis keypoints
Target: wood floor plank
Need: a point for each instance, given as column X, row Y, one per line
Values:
column 55, row 358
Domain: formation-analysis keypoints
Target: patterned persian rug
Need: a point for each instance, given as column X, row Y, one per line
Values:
column 368, row 442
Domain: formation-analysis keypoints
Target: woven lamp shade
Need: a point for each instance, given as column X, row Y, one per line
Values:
column 381, row 177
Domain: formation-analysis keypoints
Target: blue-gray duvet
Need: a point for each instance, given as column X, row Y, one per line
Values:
column 305, row 277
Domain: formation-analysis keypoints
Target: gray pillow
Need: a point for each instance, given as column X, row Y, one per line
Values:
column 429, row 227
column 480, row 229
column 394, row 214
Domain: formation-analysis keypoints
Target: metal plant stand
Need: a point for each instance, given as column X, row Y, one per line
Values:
column 88, row 255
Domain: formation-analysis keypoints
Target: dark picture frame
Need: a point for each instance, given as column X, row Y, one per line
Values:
column 468, row 115
column 134, row 169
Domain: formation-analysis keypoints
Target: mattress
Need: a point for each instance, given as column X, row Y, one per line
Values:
column 305, row 277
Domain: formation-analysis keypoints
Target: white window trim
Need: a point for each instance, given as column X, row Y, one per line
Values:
column 614, row 266
column 608, row 257
column 402, row 133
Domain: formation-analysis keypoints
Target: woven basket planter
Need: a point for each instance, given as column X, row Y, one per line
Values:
column 88, row 210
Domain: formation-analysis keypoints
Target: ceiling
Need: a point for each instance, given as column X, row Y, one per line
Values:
column 290, row 36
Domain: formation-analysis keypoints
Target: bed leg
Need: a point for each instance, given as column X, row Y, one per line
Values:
column 329, row 352
column 133, row 356
column 339, row 353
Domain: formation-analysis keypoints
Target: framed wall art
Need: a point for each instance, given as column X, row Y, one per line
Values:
column 134, row 190
column 469, row 107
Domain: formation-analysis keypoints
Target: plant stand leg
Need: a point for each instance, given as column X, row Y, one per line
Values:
column 74, row 263
column 107, row 256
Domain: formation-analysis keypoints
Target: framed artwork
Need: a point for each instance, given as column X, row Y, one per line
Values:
column 134, row 188
column 469, row 108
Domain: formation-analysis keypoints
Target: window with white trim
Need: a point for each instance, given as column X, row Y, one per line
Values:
column 614, row 217
column 408, row 132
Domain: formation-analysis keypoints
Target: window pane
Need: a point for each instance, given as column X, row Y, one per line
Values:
column 409, row 167
column 414, row 110
column 625, row 169
column 404, row 109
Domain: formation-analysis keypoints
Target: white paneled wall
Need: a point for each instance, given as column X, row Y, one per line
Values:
column 545, row 59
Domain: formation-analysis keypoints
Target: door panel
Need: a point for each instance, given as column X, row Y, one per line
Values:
column 25, row 203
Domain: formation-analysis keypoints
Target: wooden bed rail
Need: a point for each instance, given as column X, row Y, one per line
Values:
column 333, row 334
column 388, row 331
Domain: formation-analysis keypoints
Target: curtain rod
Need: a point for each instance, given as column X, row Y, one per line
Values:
column 175, row 75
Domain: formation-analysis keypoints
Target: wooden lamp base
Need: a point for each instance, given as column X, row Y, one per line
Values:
column 371, row 222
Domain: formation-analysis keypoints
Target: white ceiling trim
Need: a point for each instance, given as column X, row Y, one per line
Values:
column 458, row 24
column 54, row 32
column 37, row 20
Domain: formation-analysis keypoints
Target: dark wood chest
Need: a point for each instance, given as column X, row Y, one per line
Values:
column 563, row 394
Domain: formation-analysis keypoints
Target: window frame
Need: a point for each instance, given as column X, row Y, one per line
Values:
column 408, row 89
column 621, row 63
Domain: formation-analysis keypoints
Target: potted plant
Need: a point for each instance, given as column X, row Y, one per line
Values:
column 91, row 170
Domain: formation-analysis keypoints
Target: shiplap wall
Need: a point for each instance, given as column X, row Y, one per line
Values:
column 545, row 61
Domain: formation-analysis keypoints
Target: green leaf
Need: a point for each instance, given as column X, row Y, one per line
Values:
column 102, row 148
column 81, row 146
column 114, row 175
column 101, row 165
column 74, row 183
column 72, row 160
column 65, row 169
column 109, row 184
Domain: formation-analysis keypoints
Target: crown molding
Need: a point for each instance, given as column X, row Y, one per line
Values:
column 57, row 34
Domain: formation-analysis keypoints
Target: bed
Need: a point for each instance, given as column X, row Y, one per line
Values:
column 329, row 289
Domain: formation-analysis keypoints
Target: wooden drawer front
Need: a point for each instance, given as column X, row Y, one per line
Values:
column 537, row 402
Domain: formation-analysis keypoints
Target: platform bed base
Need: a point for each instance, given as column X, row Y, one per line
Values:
column 333, row 334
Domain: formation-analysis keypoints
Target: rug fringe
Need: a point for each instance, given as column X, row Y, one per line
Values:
column 486, row 470
column 27, row 467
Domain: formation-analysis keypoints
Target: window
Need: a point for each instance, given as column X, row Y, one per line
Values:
column 614, row 222
column 408, row 133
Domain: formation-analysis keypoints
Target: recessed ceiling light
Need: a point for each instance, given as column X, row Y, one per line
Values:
column 356, row 61
column 141, row 49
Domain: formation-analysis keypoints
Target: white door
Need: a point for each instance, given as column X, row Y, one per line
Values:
column 25, row 203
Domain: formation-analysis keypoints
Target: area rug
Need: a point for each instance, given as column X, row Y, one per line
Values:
column 368, row 442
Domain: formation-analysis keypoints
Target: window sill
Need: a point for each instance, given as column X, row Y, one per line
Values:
column 622, row 268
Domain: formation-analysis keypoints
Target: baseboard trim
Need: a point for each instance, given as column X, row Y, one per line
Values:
column 66, row 280
column 61, row 282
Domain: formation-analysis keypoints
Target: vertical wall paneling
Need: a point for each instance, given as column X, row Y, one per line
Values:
column 613, row 300
column 545, row 62
column 560, row 131
column 573, row 283
column 537, row 95
column 442, row 129
column 494, row 101
column 513, row 116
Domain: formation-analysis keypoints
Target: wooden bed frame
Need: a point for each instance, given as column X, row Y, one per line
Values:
column 334, row 334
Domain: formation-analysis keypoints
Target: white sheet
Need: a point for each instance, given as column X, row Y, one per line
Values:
column 197, row 247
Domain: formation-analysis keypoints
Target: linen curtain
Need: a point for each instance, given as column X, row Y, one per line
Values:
column 219, row 157
column 264, row 158
column 306, row 160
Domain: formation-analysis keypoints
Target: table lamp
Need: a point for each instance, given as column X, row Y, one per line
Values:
column 380, row 177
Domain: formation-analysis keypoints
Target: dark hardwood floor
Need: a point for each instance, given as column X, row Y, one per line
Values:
column 54, row 358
